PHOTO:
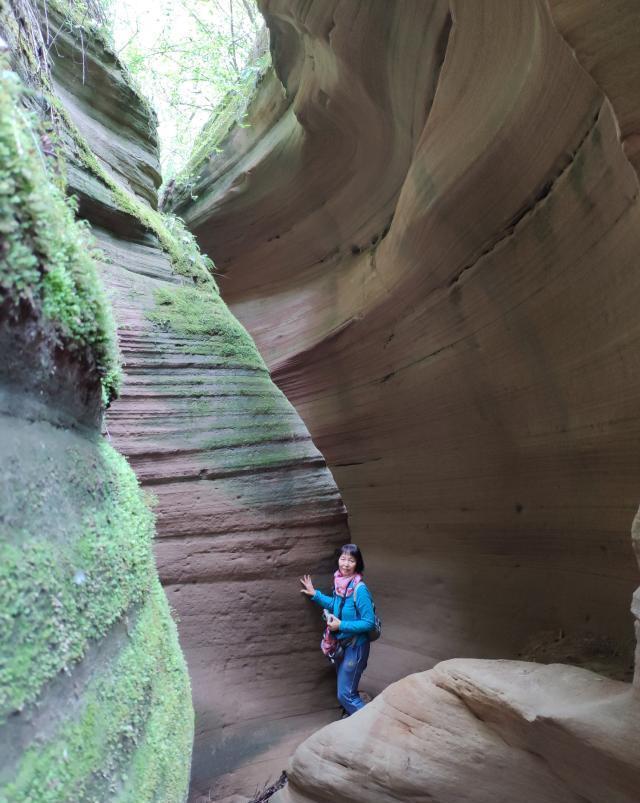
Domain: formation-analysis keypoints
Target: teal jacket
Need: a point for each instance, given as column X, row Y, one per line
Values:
column 355, row 622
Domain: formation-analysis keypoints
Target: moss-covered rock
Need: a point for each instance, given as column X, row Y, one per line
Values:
column 94, row 695
column 76, row 554
column 131, row 732
column 47, row 272
column 201, row 311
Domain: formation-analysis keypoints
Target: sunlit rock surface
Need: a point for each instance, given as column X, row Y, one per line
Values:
column 243, row 499
column 434, row 245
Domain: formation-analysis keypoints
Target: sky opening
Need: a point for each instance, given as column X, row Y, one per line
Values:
column 189, row 57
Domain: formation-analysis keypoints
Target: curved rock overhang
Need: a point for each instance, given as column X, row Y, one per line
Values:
column 432, row 234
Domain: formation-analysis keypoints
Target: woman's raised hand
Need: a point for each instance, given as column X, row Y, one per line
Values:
column 308, row 588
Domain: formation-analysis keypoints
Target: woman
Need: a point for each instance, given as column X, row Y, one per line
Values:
column 350, row 616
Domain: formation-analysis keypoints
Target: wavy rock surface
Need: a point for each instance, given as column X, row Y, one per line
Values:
column 434, row 245
column 479, row 731
column 243, row 500
column 604, row 38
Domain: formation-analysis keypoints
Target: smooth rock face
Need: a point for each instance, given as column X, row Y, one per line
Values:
column 243, row 500
column 435, row 247
column 479, row 731
column 604, row 38
column 635, row 605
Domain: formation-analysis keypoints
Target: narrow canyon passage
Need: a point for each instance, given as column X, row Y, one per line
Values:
column 244, row 505
column 431, row 228
column 427, row 229
column 243, row 500
column 446, row 299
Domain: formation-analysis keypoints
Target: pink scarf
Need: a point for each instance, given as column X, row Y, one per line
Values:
column 345, row 584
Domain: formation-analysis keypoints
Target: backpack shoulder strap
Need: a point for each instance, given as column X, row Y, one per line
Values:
column 344, row 599
column 355, row 592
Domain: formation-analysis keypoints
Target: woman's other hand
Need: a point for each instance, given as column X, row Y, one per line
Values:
column 308, row 588
column 333, row 623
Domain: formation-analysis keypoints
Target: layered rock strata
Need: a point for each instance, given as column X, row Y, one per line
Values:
column 243, row 500
column 244, row 505
column 446, row 292
column 604, row 38
column 94, row 695
column 433, row 241
column 480, row 731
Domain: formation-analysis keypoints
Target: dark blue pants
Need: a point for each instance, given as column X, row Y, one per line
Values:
column 350, row 669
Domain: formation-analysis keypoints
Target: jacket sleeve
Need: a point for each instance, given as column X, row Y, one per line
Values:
column 367, row 620
column 323, row 600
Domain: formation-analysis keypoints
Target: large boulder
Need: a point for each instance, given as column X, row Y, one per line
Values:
column 482, row 732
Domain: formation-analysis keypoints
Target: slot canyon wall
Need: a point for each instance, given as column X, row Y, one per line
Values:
column 95, row 702
column 430, row 228
column 243, row 501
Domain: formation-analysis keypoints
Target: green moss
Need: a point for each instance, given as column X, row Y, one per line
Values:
column 46, row 257
column 20, row 33
column 161, row 764
column 291, row 453
column 131, row 740
column 261, row 407
column 89, row 23
column 174, row 237
column 76, row 15
column 252, row 436
column 228, row 114
column 249, row 384
column 54, row 600
column 198, row 311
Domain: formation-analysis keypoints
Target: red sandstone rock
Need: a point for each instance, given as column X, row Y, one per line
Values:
column 435, row 247
column 244, row 505
column 243, row 499
column 479, row 731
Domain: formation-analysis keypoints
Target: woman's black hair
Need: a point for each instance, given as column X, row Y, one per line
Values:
column 353, row 549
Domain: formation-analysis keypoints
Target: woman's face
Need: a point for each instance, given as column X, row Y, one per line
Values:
column 347, row 564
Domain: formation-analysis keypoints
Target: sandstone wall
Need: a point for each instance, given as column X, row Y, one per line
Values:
column 433, row 241
column 94, row 694
column 243, row 500
column 244, row 505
